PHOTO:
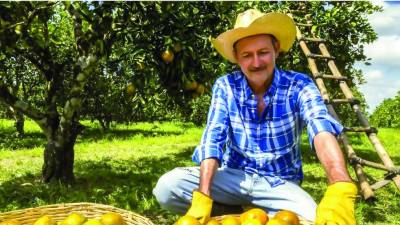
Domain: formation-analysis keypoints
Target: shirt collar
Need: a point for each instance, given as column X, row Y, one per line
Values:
column 248, row 93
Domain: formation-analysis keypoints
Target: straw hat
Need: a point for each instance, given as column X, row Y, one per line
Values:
column 253, row 22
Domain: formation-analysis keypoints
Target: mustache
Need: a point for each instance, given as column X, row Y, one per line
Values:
column 257, row 69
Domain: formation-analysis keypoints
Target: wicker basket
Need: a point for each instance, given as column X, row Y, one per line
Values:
column 60, row 211
column 302, row 220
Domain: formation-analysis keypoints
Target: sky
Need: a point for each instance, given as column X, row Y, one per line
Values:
column 383, row 75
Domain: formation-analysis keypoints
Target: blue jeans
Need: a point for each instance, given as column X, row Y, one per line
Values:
column 233, row 187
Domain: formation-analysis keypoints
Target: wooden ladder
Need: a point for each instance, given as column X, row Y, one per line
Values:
column 392, row 172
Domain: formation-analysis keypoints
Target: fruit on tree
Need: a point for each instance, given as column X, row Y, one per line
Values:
column 177, row 47
column 130, row 89
column 190, row 86
column 167, row 56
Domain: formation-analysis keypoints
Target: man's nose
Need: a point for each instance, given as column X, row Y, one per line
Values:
column 256, row 61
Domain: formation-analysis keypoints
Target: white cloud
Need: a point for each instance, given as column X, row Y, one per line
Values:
column 383, row 76
column 374, row 74
column 385, row 22
column 385, row 50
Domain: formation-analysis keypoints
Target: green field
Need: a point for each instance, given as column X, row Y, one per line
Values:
column 121, row 167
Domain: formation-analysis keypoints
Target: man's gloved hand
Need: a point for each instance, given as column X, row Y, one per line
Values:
column 201, row 207
column 337, row 205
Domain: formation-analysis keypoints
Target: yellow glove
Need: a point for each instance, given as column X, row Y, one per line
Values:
column 337, row 205
column 201, row 207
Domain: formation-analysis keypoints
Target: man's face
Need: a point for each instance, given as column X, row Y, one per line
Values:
column 256, row 57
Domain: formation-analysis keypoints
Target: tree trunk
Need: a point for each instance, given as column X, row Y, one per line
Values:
column 19, row 123
column 59, row 155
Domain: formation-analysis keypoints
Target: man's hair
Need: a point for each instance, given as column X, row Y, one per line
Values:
column 273, row 41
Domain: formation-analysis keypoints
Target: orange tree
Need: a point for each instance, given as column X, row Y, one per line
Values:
column 387, row 114
column 64, row 43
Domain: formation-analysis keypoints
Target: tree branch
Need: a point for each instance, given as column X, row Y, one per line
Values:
column 10, row 100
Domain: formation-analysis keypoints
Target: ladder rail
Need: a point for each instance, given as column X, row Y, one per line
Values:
column 383, row 155
column 366, row 188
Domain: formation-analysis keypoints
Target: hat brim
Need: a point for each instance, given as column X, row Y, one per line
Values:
column 279, row 25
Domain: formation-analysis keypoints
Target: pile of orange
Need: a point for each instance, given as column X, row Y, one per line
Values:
column 253, row 216
column 109, row 218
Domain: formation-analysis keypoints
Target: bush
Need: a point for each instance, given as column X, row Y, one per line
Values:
column 199, row 108
column 387, row 114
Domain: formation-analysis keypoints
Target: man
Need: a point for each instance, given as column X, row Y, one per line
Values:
column 250, row 150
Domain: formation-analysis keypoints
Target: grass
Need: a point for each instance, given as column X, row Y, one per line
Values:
column 121, row 167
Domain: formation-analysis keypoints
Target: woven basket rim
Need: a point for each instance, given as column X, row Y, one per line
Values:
column 94, row 209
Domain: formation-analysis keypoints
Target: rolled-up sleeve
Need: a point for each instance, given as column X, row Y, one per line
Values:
column 314, row 113
column 214, row 137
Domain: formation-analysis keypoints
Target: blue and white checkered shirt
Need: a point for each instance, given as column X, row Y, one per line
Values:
column 268, row 145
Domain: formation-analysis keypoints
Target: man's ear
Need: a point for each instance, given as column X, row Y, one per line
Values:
column 277, row 46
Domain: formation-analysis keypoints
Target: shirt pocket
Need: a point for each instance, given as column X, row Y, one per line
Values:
column 282, row 129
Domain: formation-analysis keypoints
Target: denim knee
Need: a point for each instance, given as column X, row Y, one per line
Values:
column 163, row 189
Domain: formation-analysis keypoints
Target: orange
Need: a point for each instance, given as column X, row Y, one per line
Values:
column 276, row 221
column 92, row 222
column 288, row 216
column 167, row 56
column 189, row 86
column 200, row 89
column 230, row 220
column 74, row 219
column 213, row 222
column 45, row 220
column 187, row 220
column 11, row 222
column 251, row 222
column 255, row 213
column 112, row 218
column 177, row 47
column 130, row 89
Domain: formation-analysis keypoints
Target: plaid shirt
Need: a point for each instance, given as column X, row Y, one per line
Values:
column 269, row 144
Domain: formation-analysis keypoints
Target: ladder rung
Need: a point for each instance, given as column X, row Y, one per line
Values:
column 357, row 160
column 319, row 40
column 360, row 129
column 352, row 101
column 380, row 184
column 304, row 24
column 316, row 56
column 326, row 76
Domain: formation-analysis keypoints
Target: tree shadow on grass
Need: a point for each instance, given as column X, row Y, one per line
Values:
column 124, row 184
column 372, row 155
column 8, row 139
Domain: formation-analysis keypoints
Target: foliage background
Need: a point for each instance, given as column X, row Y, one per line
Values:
column 118, row 156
